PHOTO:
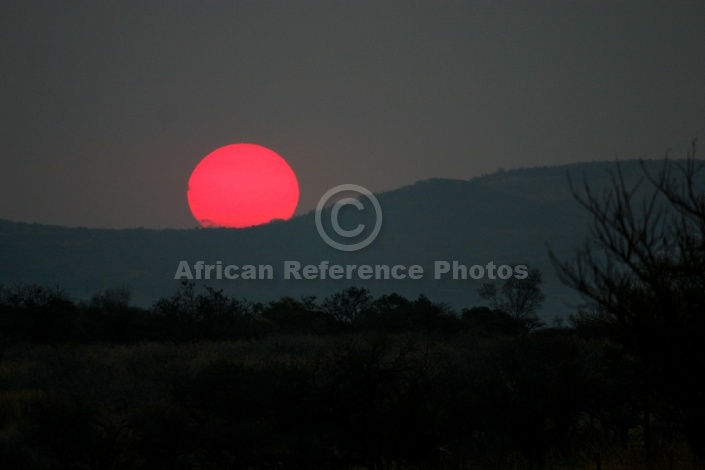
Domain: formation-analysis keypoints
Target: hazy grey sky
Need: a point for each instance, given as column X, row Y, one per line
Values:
column 106, row 107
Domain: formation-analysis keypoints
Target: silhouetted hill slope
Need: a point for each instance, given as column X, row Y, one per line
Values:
column 506, row 217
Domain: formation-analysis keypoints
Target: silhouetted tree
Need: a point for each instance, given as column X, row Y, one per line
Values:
column 388, row 313
column 290, row 315
column 395, row 313
column 41, row 314
column 520, row 298
column 191, row 315
column 348, row 305
column 644, row 272
column 110, row 317
column 113, row 299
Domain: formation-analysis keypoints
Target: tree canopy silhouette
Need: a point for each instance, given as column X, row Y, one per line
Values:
column 643, row 270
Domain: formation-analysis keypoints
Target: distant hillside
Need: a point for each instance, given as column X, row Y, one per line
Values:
column 506, row 217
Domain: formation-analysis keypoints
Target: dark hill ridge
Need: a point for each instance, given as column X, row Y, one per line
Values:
column 506, row 217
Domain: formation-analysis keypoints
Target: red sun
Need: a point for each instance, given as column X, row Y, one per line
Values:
column 242, row 185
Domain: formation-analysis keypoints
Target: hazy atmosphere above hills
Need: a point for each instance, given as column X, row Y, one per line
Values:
column 108, row 106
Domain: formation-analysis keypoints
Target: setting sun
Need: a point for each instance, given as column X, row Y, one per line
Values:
column 242, row 185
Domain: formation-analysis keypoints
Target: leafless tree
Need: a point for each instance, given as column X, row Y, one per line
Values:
column 643, row 270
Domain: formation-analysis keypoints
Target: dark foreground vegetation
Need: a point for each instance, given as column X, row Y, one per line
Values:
column 204, row 381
